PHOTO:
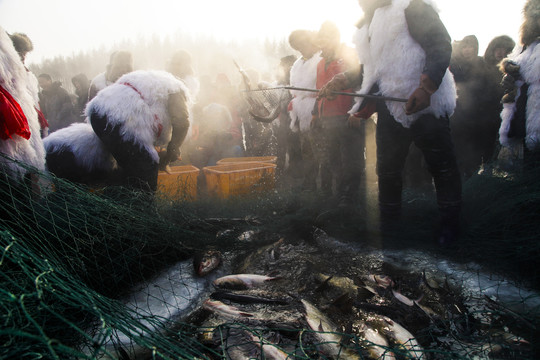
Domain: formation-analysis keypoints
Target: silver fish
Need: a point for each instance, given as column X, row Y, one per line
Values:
column 402, row 337
column 270, row 351
column 377, row 344
column 242, row 281
column 326, row 332
column 227, row 311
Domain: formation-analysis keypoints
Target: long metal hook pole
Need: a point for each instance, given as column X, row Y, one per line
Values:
column 368, row 96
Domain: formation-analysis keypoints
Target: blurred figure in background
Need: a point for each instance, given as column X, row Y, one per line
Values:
column 490, row 121
column 56, row 103
column 304, row 75
column 121, row 62
column 82, row 85
column 521, row 102
column 338, row 145
column 181, row 66
column 470, row 76
column 23, row 45
column 214, row 141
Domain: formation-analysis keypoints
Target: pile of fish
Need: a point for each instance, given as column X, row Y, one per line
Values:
column 322, row 299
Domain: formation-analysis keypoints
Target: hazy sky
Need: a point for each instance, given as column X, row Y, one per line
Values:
column 65, row 27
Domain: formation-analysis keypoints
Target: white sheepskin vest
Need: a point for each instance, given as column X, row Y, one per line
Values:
column 14, row 78
column 82, row 141
column 138, row 103
column 304, row 75
column 529, row 62
column 394, row 60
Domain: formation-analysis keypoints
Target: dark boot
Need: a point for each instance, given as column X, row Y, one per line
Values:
column 449, row 229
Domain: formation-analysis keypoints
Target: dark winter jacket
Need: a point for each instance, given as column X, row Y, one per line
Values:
column 57, row 107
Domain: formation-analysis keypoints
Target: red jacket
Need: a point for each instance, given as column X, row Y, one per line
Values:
column 342, row 103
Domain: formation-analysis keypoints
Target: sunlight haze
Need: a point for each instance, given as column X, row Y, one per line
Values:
column 66, row 27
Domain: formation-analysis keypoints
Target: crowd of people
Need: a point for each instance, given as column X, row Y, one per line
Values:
column 438, row 104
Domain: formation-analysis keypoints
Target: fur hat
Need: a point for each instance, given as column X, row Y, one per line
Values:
column 530, row 29
column 287, row 61
column 22, row 43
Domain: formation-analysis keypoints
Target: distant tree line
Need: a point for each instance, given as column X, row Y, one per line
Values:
column 210, row 57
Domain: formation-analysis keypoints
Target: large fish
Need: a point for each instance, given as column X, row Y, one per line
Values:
column 376, row 343
column 227, row 311
column 399, row 335
column 270, row 351
column 344, row 284
column 242, row 281
column 326, row 332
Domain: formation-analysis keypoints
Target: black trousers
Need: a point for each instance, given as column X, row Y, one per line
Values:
column 432, row 136
column 139, row 171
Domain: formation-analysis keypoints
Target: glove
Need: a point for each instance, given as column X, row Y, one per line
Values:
column 339, row 82
column 508, row 82
column 511, row 68
column 421, row 97
column 355, row 120
column 315, row 122
column 167, row 157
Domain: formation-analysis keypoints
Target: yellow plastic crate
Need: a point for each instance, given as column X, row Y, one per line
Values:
column 227, row 180
column 240, row 160
column 180, row 184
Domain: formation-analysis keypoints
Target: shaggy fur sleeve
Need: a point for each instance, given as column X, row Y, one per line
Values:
column 179, row 115
column 427, row 29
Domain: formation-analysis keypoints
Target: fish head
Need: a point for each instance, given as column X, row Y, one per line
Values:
column 209, row 261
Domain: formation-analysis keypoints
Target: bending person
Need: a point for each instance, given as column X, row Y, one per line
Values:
column 142, row 110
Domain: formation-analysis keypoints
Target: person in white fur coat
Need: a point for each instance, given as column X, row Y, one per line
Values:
column 521, row 103
column 20, row 137
column 304, row 75
column 405, row 51
column 141, row 111
column 76, row 153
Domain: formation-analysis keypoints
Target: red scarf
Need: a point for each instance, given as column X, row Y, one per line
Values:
column 12, row 118
column 43, row 123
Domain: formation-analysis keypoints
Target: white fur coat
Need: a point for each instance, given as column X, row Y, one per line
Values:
column 303, row 75
column 529, row 62
column 138, row 103
column 395, row 61
column 14, row 78
column 82, row 141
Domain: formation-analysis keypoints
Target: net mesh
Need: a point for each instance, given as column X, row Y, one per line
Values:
column 71, row 255
column 265, row 104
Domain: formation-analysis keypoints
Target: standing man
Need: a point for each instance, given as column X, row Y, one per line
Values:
column 405, row 51
column 121, row 62
column 304, row 75
column 338, row 147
